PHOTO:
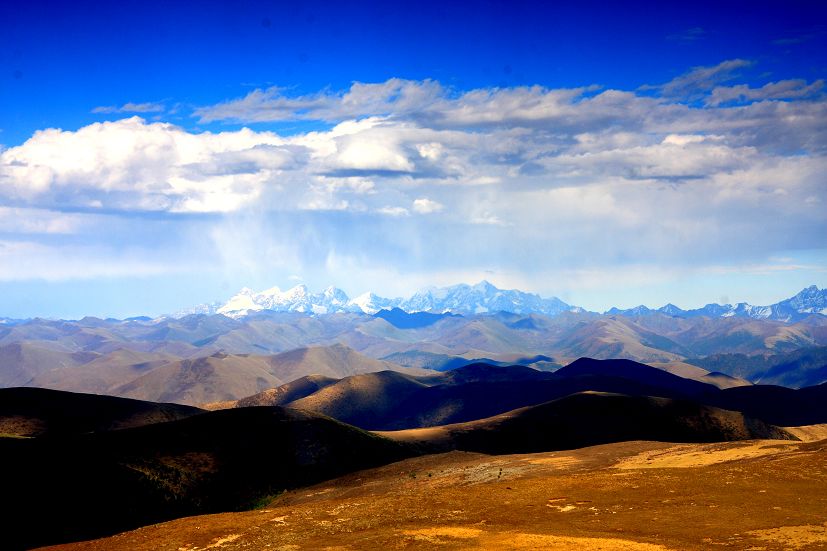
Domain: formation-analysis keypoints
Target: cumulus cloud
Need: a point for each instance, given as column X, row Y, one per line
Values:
column 527, row 177
column 129, row 164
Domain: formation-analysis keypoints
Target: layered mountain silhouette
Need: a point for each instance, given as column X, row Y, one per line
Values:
column 393, row 401
column 202, row 358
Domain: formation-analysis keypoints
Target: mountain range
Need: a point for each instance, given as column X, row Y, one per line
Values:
column 484, row 298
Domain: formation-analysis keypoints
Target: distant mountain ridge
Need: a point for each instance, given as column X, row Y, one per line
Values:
column 807, row 302
column 485, row 298
column 458, row 299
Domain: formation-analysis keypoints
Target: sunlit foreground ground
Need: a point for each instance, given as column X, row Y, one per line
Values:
column 635, row 495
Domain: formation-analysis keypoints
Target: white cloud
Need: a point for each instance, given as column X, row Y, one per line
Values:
column 362, row 99
column 702, row 79
column 781, row 90
column 129, row 164
column 546, row 179
column 423, row 205
column 393, row 211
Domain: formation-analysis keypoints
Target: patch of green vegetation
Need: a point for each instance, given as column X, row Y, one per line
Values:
column 16, row 436
column 263, row 501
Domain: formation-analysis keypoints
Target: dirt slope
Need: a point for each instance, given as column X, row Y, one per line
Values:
column 633, row 496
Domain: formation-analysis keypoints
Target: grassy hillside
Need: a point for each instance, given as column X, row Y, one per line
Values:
column 217, row 461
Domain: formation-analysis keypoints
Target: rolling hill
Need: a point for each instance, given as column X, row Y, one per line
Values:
column 33, row 412
column 216, row 461
column 590, row 418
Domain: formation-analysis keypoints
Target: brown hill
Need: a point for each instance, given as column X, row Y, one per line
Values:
column 361, row 399
column 335, row 361
column 228, row 377
column 104, row 373
column 210, row 379
column 20, row 362
column 279, row 396
column 689, row 371
column 590, row 418
column 632, row 496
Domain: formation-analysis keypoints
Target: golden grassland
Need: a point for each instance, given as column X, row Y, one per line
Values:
column 758, row 495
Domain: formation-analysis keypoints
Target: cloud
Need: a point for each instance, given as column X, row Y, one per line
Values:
column 362, row 99
column 130, row 108
column 701, row 79
column 423, row 205
column 131, row 165
column 527, row 179
column 781, row 90
column 393, row 211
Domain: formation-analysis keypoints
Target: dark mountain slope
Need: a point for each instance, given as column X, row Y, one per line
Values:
column 634, row 371
column 776, row 404
column 589, row 418
column 218, row 461
column 42, row 412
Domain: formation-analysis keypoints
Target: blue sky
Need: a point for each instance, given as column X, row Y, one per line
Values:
column 156, row 156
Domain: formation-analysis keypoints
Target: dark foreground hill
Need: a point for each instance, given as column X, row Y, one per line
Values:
column 590, row 418
column 218, row 461
column 40, row 412
column 776, row 404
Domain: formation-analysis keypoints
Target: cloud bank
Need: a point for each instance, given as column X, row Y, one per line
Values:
column 412, row 176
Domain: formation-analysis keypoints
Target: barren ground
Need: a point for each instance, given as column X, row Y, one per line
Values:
column 758, row 495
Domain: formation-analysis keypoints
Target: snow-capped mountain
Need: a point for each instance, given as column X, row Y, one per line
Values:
column 480, row 298
column 370, row 303
column 459, row 299
column 297, row 299
column 809, row 301
column 485, row 297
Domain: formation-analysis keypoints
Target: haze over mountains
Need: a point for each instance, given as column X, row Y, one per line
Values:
column 485, row 297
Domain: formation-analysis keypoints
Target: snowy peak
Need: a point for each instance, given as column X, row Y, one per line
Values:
column 481, row 298
column 370, row 303
column 484, row 297
column 636, row 311
column 459, row 299
column 809, row 301
column 296, row 299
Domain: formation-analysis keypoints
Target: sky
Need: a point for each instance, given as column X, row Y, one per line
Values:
column 154, row 156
